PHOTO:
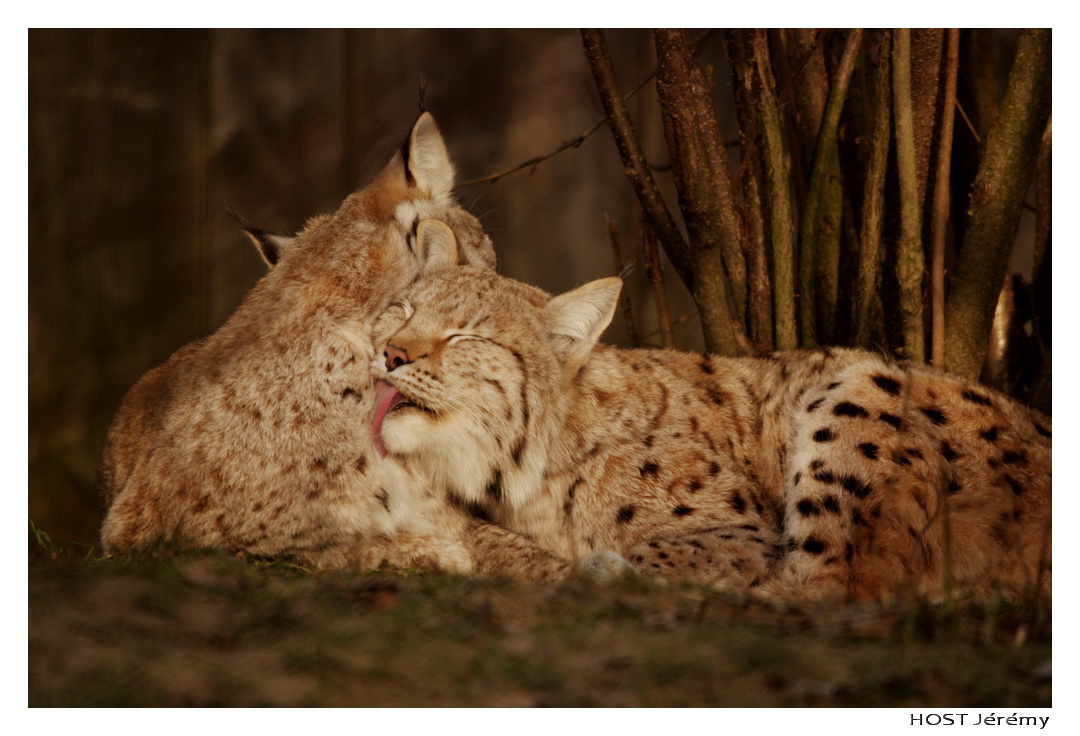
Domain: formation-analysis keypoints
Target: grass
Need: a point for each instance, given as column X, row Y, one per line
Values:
column 207, row 628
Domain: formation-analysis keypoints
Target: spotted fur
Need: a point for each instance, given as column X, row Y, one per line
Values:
column 819, row 474
column 256, row 438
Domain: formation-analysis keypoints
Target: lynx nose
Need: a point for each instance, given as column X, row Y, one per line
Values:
column 395, row 357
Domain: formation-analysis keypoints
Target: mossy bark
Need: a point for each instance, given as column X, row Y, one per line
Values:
column 997, row 199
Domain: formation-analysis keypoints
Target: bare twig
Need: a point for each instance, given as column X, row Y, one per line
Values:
column 633, row 157
column 706, row 201
column 777, row 195
column 819, row 254
column 620, row 268
column 967, row 121
column 941, row 203
column 997, row 202
column 565, row 145
column 867, row 297
column 910, row 262
column 655, row 273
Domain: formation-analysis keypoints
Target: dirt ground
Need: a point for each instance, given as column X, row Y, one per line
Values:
column 209, row 629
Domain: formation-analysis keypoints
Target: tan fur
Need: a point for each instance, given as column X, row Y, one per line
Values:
column 256, row 438
column 830, row 473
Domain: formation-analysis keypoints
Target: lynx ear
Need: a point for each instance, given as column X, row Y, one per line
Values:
column 427, row 162
column 436, row 244
column 576, row 319
column 270, row 247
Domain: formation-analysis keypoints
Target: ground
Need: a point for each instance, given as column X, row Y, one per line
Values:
column 206, row 628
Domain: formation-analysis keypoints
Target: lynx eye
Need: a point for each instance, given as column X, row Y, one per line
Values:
column 459, row 337
column 410, row 238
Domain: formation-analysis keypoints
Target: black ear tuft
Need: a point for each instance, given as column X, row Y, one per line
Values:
column 269, row 246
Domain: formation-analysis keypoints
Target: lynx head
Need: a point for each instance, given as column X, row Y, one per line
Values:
column 405, row 223
column 477, row 380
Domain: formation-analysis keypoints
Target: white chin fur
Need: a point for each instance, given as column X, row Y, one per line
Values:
column 446, row 452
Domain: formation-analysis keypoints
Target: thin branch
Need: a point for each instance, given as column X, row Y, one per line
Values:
column 620, row 268
column 941, row 203
column 655, row 273
column 910, row 262
column 997, row 198
column 633, row 157
column 572, row 143
column 778, row 194
column 867, row 296
column 819, row 255
column 706, row 201
column 967, row 121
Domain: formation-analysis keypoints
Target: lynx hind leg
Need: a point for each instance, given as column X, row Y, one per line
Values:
column 901, row 481
column 735, row 558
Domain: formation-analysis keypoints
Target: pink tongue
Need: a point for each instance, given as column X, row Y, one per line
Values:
column 386, row 398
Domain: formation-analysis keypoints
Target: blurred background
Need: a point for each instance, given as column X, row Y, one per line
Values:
column 139, row 141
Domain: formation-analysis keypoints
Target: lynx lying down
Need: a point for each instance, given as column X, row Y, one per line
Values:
column 831, row 473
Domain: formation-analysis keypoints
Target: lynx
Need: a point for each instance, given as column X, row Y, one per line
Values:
column 820, row 474
column 255, row 438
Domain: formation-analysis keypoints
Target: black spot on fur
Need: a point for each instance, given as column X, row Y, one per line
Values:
column 816, row 464
column 849, row 553
column 900, row 459
column 383, row 498
column 890, row 419
column 715, row 395
column 361, row 463
column 948, row 452
column 796, row 479
column 738, row 503
column 517, row 450
column 1017, row 489
column 869, row 449
column 912, row 452
column 954, row 487
column 1042, row 430
column 990, row 435
column 813, row 545
column 832, row 385
column 825, row 477
column 806, row 507
column 494, row 489
column 855, row 486
column 749, row 527
column 976, row 398
column 992, row 462
column 648, row 441
column 714, row 469
column 649, row 469
column 683, row 510
column 348, row 392
column 706, row 368
column 857, row 518
column 831, row 504
column 886, row 384
column 824, row 435
column 1014, row 458
column 694, row 486
column 814, row 404
column 626, row 513
column 847, row 409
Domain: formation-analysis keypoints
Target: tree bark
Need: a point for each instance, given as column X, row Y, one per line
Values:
column 941, row 202
column 996, row 203
column 700, row 168
column 910, row 261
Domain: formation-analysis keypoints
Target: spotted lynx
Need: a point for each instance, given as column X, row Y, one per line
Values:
column 255, row 438
column 823, row 474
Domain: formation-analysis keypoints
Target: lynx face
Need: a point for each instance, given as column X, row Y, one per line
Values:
column 476, row 380
column 256, row 438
